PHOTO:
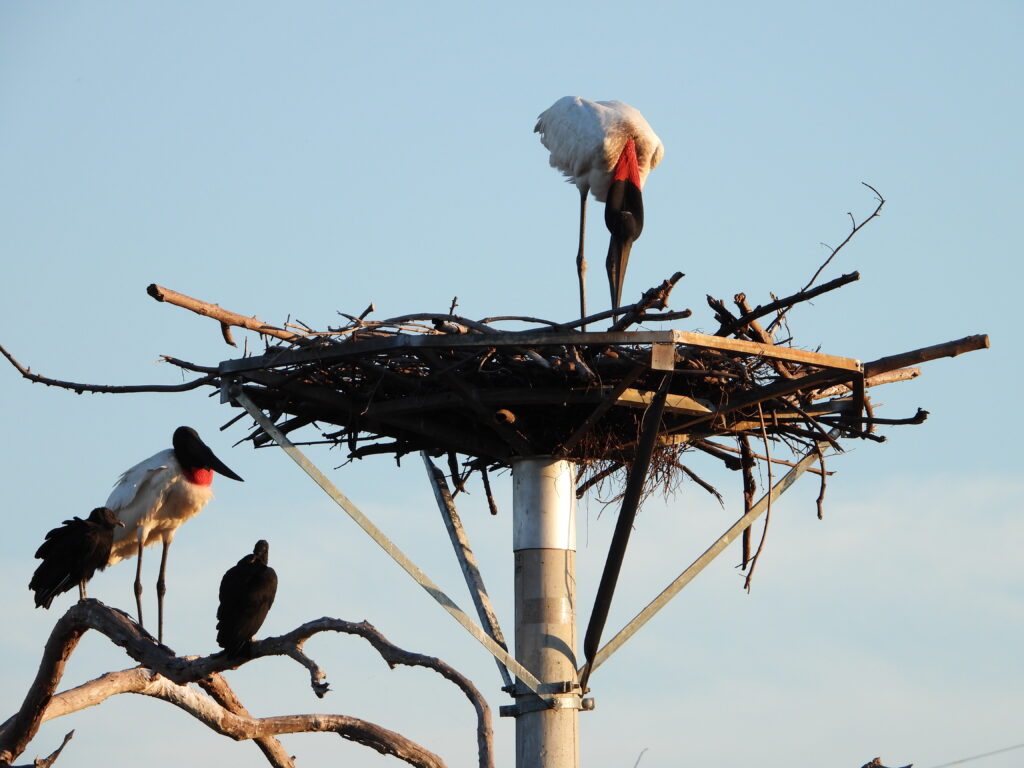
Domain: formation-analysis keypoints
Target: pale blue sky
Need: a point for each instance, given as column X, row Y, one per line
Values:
column 305, row 158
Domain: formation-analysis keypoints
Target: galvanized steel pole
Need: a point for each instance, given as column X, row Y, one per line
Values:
column 544, row 545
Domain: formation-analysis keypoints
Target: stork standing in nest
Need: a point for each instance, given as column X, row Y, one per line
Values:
column 606, row 148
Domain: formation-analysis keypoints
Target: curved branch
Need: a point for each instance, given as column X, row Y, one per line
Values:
column 16, row 733
column 856, row 228
column 105, row 388
column 218, row 689
column 239, row 727
column 223, row 316
column 291, row 644
column 46, row 762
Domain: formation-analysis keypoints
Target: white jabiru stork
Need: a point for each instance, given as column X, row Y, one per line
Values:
column 606, row 148
column 156, row 496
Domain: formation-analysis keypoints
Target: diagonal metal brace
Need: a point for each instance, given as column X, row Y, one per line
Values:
column 709, row 554
column 525, row 676
column 467, row 560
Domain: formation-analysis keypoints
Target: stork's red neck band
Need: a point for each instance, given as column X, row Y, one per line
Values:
column 199, row 476
column 627, row 168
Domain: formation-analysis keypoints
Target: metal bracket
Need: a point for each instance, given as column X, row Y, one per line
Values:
column 557, row 688
column 537, row 704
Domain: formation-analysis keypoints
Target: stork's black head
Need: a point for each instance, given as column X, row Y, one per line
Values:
column 193, row 453
column 624, row 210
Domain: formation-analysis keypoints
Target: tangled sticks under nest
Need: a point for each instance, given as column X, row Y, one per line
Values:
column 444, row 384
column 447, row 385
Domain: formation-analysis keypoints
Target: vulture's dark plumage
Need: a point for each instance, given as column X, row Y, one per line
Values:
column 72, row 553
column 246, row 594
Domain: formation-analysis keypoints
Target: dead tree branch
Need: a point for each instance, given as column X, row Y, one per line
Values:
column 104, row 388
column 46, row 762
column 923, row 355
column 221, row 692
column 856, row 228
column 223, row 316
column 170, row 675
column 785, row 303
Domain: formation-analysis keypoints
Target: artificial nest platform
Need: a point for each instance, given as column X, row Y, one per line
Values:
column 445, row 384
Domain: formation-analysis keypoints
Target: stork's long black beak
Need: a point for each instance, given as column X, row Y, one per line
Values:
column 219, row 466
column 624, row 217
column 193, row 452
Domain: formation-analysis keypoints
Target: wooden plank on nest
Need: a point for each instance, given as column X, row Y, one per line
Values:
column 397, row 342
column 673, row 403
column 402, row 341
column 770, row 351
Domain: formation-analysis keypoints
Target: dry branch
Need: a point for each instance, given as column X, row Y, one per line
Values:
column 786, row 303
column 856, row 228
column 218, row 689
column 222, row 316
column 46, row 762
column 925, row 354
column 900, row 374
column 176, row 672
column 105, row 388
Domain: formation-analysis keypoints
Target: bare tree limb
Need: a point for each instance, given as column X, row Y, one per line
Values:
column 16, row 733
column 900, row 374
column 223, row 316
column 923, row 355
column 856, row 228
column 105, row 388
column 768, row 512
column 46, row 762
column 785, row 303
column 220, row 691
column 211, row 713
column 656, row 297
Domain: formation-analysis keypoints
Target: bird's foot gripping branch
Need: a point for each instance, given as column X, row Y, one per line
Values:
column 166, row 676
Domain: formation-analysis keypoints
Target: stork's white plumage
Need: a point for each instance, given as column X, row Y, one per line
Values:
column 155, row 497
column 585, row 139
column 590, row 143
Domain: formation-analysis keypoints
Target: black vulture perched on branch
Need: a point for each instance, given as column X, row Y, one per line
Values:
column 72, row 553
column 246, row 594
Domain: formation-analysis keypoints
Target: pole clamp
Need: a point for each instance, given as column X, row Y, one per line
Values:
column 532, row 703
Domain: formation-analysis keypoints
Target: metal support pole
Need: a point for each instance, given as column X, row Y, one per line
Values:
column 544, row 545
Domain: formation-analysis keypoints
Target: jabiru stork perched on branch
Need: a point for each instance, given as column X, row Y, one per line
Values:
column 155, row 497
column 606, row 148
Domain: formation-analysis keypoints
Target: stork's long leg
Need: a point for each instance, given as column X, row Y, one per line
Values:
column 81, row 590
column 161, row 589
column 138, row 582
column 581, row 263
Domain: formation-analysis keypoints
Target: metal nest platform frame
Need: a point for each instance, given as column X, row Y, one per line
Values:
column 448, row 385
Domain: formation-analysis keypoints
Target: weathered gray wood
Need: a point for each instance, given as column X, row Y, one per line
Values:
column 531, row 339
column 467, row 560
